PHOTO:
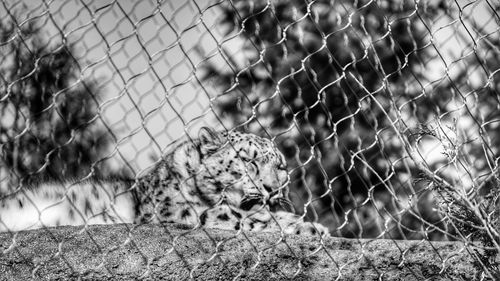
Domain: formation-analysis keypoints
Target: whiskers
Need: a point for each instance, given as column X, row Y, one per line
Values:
column 284, row 203
column 250, row 200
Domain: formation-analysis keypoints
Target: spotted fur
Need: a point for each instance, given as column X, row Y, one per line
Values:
column 227, row 180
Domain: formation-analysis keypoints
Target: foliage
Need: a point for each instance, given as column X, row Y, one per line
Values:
column 49, row 124
column 339, row 83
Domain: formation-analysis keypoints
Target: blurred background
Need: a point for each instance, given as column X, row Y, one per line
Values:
column 388, row 111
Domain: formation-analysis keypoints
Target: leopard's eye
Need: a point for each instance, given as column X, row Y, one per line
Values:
column 249, row 161
column 244, row 156
column 253, row 166
column 248, row 156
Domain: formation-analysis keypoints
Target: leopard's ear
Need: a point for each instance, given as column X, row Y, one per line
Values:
column 210, row 140
column 207, row 135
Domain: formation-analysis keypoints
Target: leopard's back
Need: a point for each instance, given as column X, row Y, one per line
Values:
column 67, row 203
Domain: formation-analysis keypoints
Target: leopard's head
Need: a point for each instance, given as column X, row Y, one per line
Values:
column 242, row 170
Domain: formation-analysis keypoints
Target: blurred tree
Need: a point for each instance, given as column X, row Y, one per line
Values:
column 331, row 79
column 49, row 125
column 476, row 214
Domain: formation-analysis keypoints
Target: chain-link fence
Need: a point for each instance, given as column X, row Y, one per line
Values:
column 388, row 112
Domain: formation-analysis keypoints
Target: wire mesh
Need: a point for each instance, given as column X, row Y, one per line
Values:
column 387, row 111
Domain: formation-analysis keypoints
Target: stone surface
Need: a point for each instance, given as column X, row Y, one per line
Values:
column 176, row 252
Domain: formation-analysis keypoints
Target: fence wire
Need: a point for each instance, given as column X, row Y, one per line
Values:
column 388, row 112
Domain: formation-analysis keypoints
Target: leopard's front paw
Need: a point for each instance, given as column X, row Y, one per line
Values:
column 311, row 229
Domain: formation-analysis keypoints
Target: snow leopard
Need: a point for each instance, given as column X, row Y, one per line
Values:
column 226, row 180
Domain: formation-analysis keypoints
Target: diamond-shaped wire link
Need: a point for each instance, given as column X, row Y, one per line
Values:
column 388, row 113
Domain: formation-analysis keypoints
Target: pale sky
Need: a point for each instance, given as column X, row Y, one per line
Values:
column 147, row 68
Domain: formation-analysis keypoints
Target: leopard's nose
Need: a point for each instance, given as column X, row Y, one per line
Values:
column 273, row 192
column 268, row 188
